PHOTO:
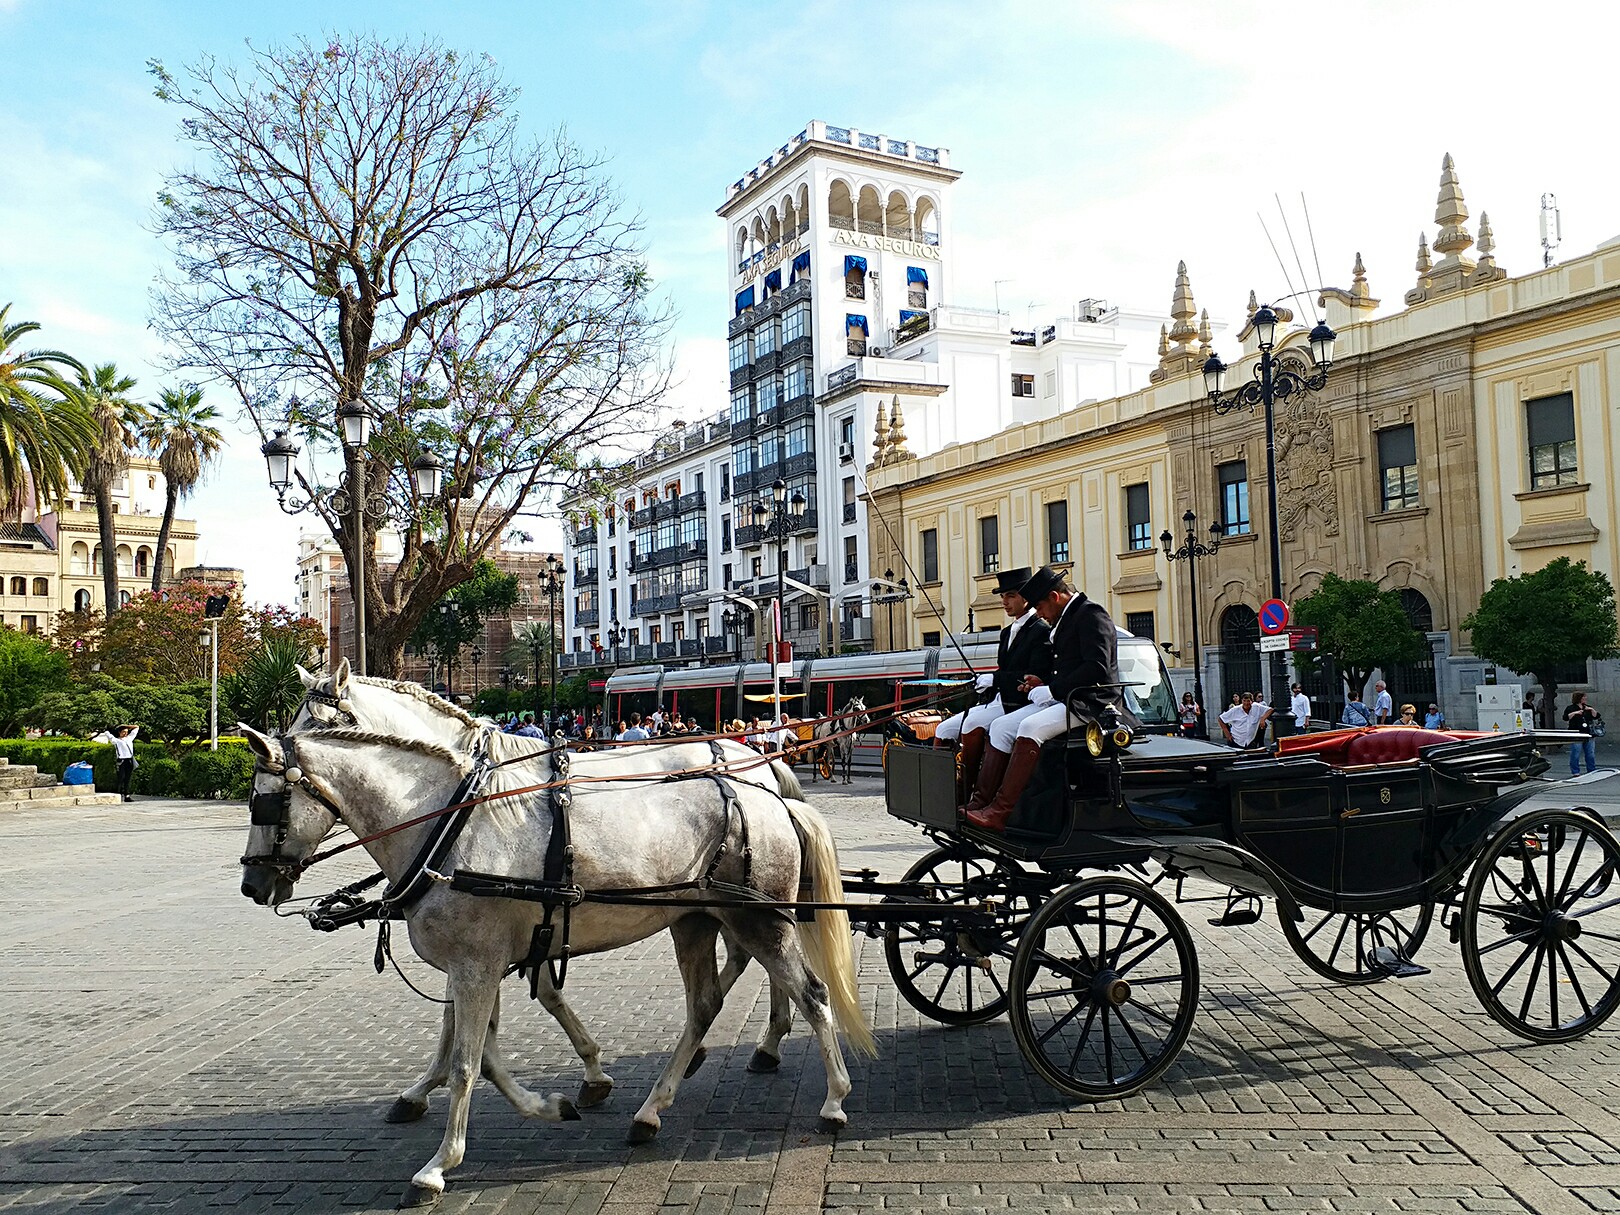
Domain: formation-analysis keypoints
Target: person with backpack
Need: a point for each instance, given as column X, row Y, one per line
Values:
column 1583, row 719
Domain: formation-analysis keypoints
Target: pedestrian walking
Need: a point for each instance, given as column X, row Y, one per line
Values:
column 1299, row 707
column 1189, row 714
column 1244, row 724
column 123, row 745
column 1383, row 707
column 1408, row 716
column 1356, row 712
column 1434, row 719
column 1584, row 719
column 636, row 732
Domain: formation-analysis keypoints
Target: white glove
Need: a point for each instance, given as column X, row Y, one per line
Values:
column 1040, row 694
column 984, row 682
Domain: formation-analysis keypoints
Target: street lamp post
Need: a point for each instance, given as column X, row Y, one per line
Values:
column 615, row 636
column 351, row 500
column 1273, row 381
column 447, row 619
column 551, row 581
column 896, row 592
column 1191, row 549
column 477, row 657
column 534, row 653
column 776, row 518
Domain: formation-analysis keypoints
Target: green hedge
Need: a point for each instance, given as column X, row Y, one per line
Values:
column 226, row 773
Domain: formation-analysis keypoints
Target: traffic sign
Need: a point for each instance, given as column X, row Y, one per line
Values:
column 1302, row 638
column 1274, row 643
column 1273, row 616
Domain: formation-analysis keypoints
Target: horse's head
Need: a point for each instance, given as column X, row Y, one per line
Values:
column 289, row 816
column 327, row 700
column 855, row 710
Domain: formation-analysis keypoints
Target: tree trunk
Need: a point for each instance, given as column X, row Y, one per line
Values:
column 171, row 497
column 109, row 547
column 1549, row 699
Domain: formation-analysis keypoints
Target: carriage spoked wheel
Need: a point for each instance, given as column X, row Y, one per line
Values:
column 952, row 971
column 824, row 763
column 1105, row 987
column 1339, row 945
column 1540, row 930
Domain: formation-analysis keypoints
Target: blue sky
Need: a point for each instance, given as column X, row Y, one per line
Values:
column 1100, row 144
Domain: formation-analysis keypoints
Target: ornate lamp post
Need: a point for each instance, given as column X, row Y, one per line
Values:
column 534, row 653
column 615, row 636
column 1191, row 549
column 897, row 592
column 349, row 501
column 477, row 657
column 447, row 622
column 551, row 581
column 1273, row 381
column 776, row 519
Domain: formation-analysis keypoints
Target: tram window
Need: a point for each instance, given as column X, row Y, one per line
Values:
column 877, row 693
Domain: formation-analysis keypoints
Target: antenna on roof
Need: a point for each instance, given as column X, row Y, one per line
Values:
column 1551, row 229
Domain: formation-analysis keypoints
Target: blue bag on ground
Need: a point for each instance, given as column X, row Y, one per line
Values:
column 80, row 773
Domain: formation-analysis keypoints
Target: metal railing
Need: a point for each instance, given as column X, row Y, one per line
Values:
column 845, row 223
column 588, row 617
column 844, row 375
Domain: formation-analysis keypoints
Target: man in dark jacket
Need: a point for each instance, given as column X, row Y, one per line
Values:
column 1025, row 649
column 1086, row 662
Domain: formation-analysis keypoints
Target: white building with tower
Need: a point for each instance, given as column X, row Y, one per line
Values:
column 846, row 328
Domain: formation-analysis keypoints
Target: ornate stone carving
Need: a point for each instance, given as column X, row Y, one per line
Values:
column 1305, row 468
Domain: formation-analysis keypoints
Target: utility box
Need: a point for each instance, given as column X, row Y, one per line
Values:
column 1501, row 706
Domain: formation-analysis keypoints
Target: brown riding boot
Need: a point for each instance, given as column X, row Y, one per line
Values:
column 1020, row 767
column 973, row 743
column 990, row 770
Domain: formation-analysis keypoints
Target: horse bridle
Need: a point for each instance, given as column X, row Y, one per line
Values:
column 274, row 810
column 338, row 704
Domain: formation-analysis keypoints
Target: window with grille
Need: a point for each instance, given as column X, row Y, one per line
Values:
column 930, row 555
column 739, row 352
column 1397, row 467
column 795, row 323
column 1138, row 518
column 1057, row 531
column 1550, row 426
column 1139, row 624
column 765, row 338
column 989, row 544
column 1232, row 480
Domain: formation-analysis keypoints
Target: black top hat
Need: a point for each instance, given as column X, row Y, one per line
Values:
column 1011, row 582
column 1041, row 584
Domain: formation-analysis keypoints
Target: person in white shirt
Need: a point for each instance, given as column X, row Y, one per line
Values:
column 1383, row 705
column 123, row 745
column 1299, row 706
column 1244, row 723
column 636, row 732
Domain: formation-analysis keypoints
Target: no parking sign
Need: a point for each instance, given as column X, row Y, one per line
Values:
column 1273, row 617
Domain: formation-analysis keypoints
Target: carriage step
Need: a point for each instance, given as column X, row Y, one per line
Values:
column 1235, row 917
column 1394, row 965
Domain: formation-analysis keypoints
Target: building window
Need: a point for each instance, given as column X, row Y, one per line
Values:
column 1397, row 467
column 795, row 323
column 796, row 381
column 989, row 544
column 739, row 406
column 725, row 533
column 930, row 555
column 855, row 333
column 1049, row 384
column 852, row 565
column 1233, row 482
column 1551, row 425
column 697, row 482
column 1139, row 624
column 725, row 483
column 739, row 352
column 19, row 586
column 1057, row 531
column 765, row 339
column 30, row 625
column 42, row 586
column 1023, row 385
column 1138, row 518
column 849, row 499
column 846, row 430
column 931, row 638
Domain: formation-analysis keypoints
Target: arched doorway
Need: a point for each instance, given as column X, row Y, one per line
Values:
column 1414, row 682
column 1240, row 654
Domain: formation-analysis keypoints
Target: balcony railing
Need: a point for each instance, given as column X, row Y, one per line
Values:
column 718, row 645
column 766, row 362
column 855, row 289
column 804, row 462
column 640, row 653
column 857, row 629
column 844, row 222
column 872, row 227
column 811, row 575
column 844, row 375
column 749, row 535
column 673, row 555
column 849, row 512
column 856, row 347
column 588, row 618
column 797, row 348
column 689, row 647
column 801, row 406
column 585, row 535
column 688, row 502
column 741, row 375
column 666, row 649
column 585, row 575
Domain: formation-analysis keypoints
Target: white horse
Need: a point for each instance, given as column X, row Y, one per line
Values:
column 408, row 710
column 838, row 734
column 643, row 833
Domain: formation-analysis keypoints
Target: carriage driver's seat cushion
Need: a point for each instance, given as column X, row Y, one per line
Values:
column 1391, row 745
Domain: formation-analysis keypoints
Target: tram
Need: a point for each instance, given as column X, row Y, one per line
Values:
column 937, row 676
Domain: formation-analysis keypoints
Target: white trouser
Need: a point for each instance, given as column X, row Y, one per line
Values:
column 1045, row 724
column 978, row 717
column 1005, row 729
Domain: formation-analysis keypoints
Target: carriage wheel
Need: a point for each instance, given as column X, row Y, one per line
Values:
column 824, row 765
column 949, row 972
column 887, row 746
column 1541, row 926
column 1105, row 986
column 1338, row 945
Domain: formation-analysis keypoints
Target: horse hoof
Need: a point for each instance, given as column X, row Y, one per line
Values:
column 763, row 1061
column 567, row 1111
column 405, row 1111
column 418, row 1196
column 593, row 1092
column 642, row 1132
column 698, row 1056
column 829, row 1126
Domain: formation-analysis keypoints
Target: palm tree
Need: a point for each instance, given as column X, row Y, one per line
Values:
column 116, row 419
column 45, row 436
column 180, row 430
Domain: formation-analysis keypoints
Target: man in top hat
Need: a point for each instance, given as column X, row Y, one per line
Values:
column 1025, row 649
column 1086, row 663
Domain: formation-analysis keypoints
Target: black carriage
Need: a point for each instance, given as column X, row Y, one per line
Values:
column 1069, row 923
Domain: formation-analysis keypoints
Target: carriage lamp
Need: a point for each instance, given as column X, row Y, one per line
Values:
column 1094, row 740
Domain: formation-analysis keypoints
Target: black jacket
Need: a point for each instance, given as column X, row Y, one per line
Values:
column 1030, row 653
column 1086, row 654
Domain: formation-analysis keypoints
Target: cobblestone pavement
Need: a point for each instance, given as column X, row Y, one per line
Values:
column 168, row 1046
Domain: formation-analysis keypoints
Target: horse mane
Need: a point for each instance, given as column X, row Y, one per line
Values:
column 417, row 692
column 420, row 746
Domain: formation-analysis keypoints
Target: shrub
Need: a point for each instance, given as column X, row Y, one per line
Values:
column 226, row 773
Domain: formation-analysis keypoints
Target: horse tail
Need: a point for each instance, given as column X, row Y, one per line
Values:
column 786, row 783
column 826, row 939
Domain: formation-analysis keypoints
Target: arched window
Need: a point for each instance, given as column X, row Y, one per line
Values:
column 1240, row 650
column 123, row 598
column 927, row 221
column 42, row 586
column 790, row 218
column 126, row 562
column 19, row 586
column 95, row 560
column 168, row 565
column 81, row 601
column 742, row 248
column 79, row 559
column 869, row 212
column 143, row 562
column 773, row 229
column 897, row 216
column 840, row 206
column 1415, row 682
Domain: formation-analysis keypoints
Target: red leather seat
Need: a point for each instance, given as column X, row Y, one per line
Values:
column 1391, row 745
